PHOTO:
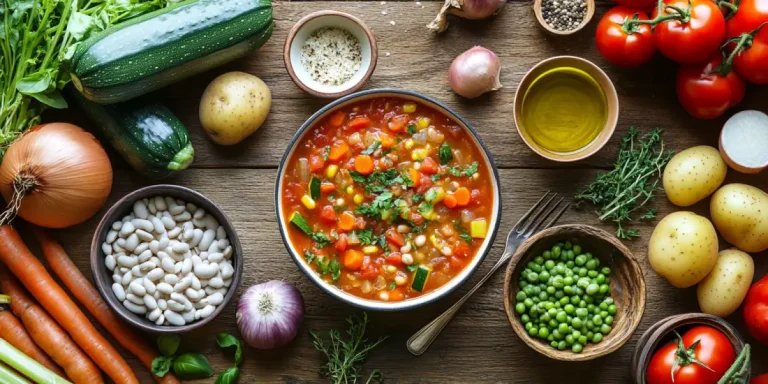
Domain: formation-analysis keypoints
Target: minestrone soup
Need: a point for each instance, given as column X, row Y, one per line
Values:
column 387, row 199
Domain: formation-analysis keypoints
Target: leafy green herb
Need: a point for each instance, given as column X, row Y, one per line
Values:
column 462, row 231
column 407, row 182
column 320, row 239
column 425, row 208
column 374, row 210
column 372, row 148
column 466, row 236
column 382, row 241
column 229, row 376
column 445, row 154
column 418, row 228
column 472, row 169
column 168, row 344
column 377, row 181
column 326, row 152
column 416, row 198
column 345, row 357
column 331, row 198
column 226, row 340
column 334, row 234
column 161, row 365
column 358, row 178
column 322, row 262
column 632, row 183
column 192, row 366
column 648, row 215
column 413, row 267
column 467, row 172
column 366, row 236
column 334, row 267
column 437, row 177
column 411, row 129
column 309, row 256
column 392, row 286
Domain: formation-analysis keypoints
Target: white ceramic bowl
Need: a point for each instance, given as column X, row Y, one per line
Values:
column 301, row 32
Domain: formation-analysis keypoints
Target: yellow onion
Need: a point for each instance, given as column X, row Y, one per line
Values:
column 55, row 176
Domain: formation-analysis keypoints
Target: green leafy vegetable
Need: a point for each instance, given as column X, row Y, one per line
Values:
column 326, row 152
column 168, row 344
column 374, row 210
column 620, row 193
column 192, row 366
column 425, row 207
column 320, row 239
column 413, row 267
column 229, row 376
column 372, row 148
column 309, row 256
column 226, row 340
column 377, row 181
column 445, row 154
column 334, row 267
column 366, row 236
column 411, row 129
column 466, row 237
column 345, row 357
column 467, row 172
column 161, row 365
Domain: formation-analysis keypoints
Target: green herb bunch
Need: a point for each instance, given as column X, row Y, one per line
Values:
column 346, row 357
column 621, row 194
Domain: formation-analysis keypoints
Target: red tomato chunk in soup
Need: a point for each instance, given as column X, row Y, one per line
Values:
column 387, row 199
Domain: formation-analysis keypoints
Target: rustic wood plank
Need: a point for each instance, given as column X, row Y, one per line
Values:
column 418, row 60
column 478, row 346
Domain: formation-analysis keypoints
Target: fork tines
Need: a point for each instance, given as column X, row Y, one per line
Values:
column 538, row 214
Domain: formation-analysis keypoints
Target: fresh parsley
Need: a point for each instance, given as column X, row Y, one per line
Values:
column 445, row 154
column 466, row 236
column 413, row 267
column 378, row 181
column 374, row 210
column 425, row 208
column 326, row 152
column 366, row 236
column 416, row 198
column 320, row 239
column 309, row 256
column 334, row 267
column 467, row 172
column 437, row 177
column 462, row 232
column 372, row 148
column 418, row 228
column 392, row 286
column 411, row 129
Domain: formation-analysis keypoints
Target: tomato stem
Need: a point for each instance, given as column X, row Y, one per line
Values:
column 630, row 26
column 686, row 356
column 743, row 43
column 737, row 373
column 732, row 8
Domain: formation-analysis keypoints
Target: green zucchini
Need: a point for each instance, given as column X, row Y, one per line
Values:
column 168, row 45
column 301, row 223
column 146, row 134
column 314, row 188
column 420, row 277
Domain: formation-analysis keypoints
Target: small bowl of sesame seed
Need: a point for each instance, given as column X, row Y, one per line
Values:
column 330, row 54
column 563, row 17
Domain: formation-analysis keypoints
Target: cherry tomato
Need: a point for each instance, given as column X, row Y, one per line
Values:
column 713, row 349
column 756, row 310
column 618, row 45
column 637, row 4
column 762, row 379
column 751, row 63
column 751, row 15
column 707, row 95
column 695, row 38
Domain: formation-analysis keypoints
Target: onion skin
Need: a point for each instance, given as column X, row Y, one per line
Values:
column 474, row 72
column 270, row 314
column 468, row 9
column 70, row 168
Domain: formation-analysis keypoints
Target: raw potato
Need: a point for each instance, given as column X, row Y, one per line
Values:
column 726, row 286
column 693, row 174
column 740, row 213
column 234, row 106
column 683, row 248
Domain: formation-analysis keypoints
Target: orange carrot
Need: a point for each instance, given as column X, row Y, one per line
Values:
column 327, row 187
column 337, row 119
column 31, row 272
column 346, row 221
column 14, row 332
column 462, row 196
column 364, row 164
column 415, row 176
column 48, row 335
column 396, row 295
column 450, row 201
column 353, row 259
column 90, row 298
column 338, row 150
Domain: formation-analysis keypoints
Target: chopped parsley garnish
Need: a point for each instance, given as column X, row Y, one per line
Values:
column 382, row 241
column 331, row 198
column 468, row 171
column 358, row 178
column 378, row 181
column 413, row 267
column 418, row 228
column 335, row 268
column 366, row 236
column 411, row 129
column 445, row 154
column 463, row 232
column 416, row 198
column 309, row 256
column 380, row 204
column 437, row 177
column 466, row 237
column 326, row 151
column 425, row 208
column 392, row 286
column 320, row 239
column 372, row 148
column 322, row 263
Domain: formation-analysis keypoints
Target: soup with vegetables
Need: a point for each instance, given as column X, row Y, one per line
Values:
column 387, row 199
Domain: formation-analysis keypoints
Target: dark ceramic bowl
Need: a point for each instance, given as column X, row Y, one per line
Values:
column 282, row 218
column 124, row 206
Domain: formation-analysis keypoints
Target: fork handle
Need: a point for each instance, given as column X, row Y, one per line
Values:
column 423, row 338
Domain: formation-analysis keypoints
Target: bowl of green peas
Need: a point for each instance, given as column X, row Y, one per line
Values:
column 574, row 293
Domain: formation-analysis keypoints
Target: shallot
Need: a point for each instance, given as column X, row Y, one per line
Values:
column 475, row 72
column 743, row 141
column 269, row 314
column 468, row 9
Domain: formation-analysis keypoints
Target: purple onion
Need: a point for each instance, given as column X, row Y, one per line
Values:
column 269, row 314
column 468, row 9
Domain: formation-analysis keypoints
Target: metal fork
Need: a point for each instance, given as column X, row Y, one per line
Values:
column 522, row 230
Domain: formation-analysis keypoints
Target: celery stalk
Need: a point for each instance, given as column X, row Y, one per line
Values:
column 8, row 376
column 27, row 366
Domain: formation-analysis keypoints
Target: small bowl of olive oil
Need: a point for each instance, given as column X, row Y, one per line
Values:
column 566, row 108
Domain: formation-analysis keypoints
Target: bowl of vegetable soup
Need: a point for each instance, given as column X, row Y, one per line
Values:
column 387, row 199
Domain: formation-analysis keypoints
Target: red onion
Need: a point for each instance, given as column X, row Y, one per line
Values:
column 468, row 9
column 474, row 72
column 269, row 314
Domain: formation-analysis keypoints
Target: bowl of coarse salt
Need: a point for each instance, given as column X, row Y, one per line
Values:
column 166, row 259
column 330, row 54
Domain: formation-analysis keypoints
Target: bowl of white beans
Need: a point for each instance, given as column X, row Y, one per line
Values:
column 166, row 259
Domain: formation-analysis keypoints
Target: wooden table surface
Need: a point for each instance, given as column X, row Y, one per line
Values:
column 479, row 345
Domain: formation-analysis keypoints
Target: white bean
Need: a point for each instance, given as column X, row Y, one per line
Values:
column 117, row 278
column 223, row 243
column 127, row 261
column 127, row 218
column 149, row 286
column 160, row 203
column 227, row 270
column 196, row 260
column 216, row 282
column 168, row 264
column 155, row 274
column 405, row 248
column 165, row 288
column 188, row 235
column 174, row 318
column 157, row 225
column 207, row 311
column 144, row 235
column 164, row 241
column 197, row 236
column 141, row 248
column 210, row 222
column 197, row 314
column 174, row 233
column 183, row 284
column 189, row 315
column 143, row 224
column 111, row 236
column 192, row 294
column 162, row 304
column 204, row 283
column 144, row 256
column 188, row 226
column 178, row 210
column 175, row 305
column 215, row 298
column 152, row 316
column 186, row 266
column 140, row 209
column 119, row 291
column 227, row 283
column 420, row 240
column 202, row 303
column 199, row 223
column 150, row 302
column 137, row 287
column 123, row 270
column 168, row 222
column 207, row 239
column 154, row 246
column 179, row 297
column 126, row 229
column 152, row 207
column 214, row 248
column 206, row 271
column 155, row 260
column 181, row 248
column 132, row 242
column 199, row 213
column 134, row 299
column 137, row 309
column 110, row 262
column 216, row 257
column 147, row 266
column 160, row 320
column 177, row 267
column 137, row 272
column 228, row 253
column 116, row 248
column 117, row 225
column 221, row 233
column 196, row 283
column 171, row 279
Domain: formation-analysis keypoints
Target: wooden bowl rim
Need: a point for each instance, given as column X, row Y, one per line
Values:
column 587, row 18
column 329, row 95
column 116, row 212
column 651, row 338
column 602, row 349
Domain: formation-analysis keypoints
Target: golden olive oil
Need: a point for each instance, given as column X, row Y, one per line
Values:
column 564, row 110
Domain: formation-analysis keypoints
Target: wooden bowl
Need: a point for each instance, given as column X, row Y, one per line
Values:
column 103, row 276
column 605, row 83
column 661, row 333
column 537, row 10
column 320, row 19
column 627, row 287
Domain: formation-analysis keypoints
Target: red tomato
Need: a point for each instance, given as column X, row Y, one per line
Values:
column 429, row 166
column 751, row 63
column 394, row 237
column 762, row 379
column 342, row 243
column 395, row 258
column 705, row 95
column 713, row 349
column 751, row 15
column 637, row 4
column 756, row 310
column 619, row 46
column 328, row 214
column 694, row 39
column 316, row 163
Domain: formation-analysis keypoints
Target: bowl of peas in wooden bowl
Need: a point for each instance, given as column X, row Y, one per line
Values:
column 574, row 293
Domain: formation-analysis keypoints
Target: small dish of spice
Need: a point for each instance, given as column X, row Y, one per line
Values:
column 563, row 17
column 330, row 54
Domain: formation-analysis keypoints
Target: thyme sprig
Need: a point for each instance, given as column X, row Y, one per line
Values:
column 625, row 190
column 346, row 357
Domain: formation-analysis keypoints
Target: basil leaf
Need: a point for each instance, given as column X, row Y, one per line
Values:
column 229, row 376
column 445, row 154
column 226, row 340
column 161, row 365
column 192, row 366
column 168, row 344
column 35, row 83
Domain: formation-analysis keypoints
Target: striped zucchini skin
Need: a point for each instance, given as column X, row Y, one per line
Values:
column 168, row 45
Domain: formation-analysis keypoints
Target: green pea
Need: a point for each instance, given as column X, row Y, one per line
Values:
column 590, row 335
column 582, row 304
column 611, row 309
column 533, row 331
column 600, row 279
column 568, row 290
column 576, row 348
column 564, row 328
column 577, row 249
column 568, row 245
column 543, row 295
column 545, row 317
column 583, row 272
column 608, row 300
column 556, row 251
column 529, row 290
column 568, row 272
column 582, row 340
column 553, row 344
column 544, row 276
column 547, row 254
column 597, row 337
column 560, row 269
column 549, row 265
column 575, row 299
column 557, row 282
column 552, row 312
column 552, row 323
column 569, row 264
column 561, row 317
column 525, row 318
column 550, row 337
column 532, row 277
column 556, row 334
column 591, row 308
column 582, row 313
column 524, row 283
column 576, row 334
column 589, row 299
column 592, row 274
column 605, row 271
column 528, row 326
column 543, row 332
column 521, row 296
column 569, row 308
column 565, row 300
column 549, row 305
column 592, row 289
column 576, row 323
column 536, row 289
column 605, row 329
column 570, row 255
column 559, row 294
column 528, row 303
column 582, row 283
column 536, row 300
column 562, row 345
column 538, row 260
column 597, row 320
column 608, row 320
column 591, row 264
column 580, row 260
column 604, row 288
column 603, row 306
column 603, row 314
column 520, row 308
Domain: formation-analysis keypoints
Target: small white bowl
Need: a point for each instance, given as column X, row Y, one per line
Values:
column 320, row 19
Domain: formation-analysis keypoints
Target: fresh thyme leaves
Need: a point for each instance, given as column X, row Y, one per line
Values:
column 345, row 358
column 445, row 154
column 372, row 148
column 320, row 239
column 625, row 190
